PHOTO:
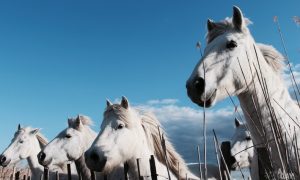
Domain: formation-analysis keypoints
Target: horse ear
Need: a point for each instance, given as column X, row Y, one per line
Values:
column 237, row 122
column 19, row 127
column 210, row 25
column 237, row 18
column 35, row 131
column 70, row 122
column 124, row 102
column 78, row 122
column 108, row 103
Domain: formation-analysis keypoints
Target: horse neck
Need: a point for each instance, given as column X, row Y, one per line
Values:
column 143, row 152
column 81, row 166
column 90, row 136
column 35, row 167
column 258, row 112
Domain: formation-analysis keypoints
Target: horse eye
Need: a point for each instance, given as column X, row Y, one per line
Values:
column 21, row 142
column 120, row 126
column 248, row 138
column 231, row 44
column 68, row 136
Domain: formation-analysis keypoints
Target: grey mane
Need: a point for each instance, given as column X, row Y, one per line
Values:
column 272, row 56
column 150, row 125
column 41, row 139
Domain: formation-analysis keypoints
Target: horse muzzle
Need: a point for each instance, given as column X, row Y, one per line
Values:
column 195, row 91
column 4, row 161
column 42, row 159
column 94, row 161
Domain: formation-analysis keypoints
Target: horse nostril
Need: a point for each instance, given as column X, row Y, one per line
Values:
column 2, row 159
column 94, row 156
column 199, row 84
column 42, row 156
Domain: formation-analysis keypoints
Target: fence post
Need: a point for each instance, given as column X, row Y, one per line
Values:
column 17, row 176
column 138, row 168
column 153, row 168
column 93, row 176
column 229, row 160
column 46, row 173
column 126, row 167
column 13, row 174
column 57, row 175
column 69, row 172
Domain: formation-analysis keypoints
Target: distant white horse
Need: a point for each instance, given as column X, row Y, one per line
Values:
column 26, row 144
column 234, row 64
column 70, row 145
column 242, row 147
column 127, row 135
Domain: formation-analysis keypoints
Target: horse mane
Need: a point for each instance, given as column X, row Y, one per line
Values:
column 86, row 120
column 271, row 55
column 154, row 133
column 41, row 139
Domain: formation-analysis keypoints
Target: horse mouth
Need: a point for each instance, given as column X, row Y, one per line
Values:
column 208, row 101
column 6, row 163
column 45, row 163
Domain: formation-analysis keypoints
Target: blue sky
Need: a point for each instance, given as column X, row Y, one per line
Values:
column 61, row 58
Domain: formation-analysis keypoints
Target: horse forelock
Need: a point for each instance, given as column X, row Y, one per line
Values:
column 118, row 111
column 40, row 137
column 271, row 55
column 86, row 120
column 225, row 26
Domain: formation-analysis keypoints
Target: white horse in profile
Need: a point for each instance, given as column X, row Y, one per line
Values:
column 26, row 144
column 234, row 64
column 70, row 145
column 242, row 148
column 128, row 134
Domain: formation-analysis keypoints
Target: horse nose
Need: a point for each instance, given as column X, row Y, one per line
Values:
column 94, row 156
column 94, row 161
column 195, row 87
column 41, row 156
column 2, row 159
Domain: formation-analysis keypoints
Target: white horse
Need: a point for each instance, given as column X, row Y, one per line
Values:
column 242, row 148
column 26, row 144
column 70, row 145
column 234, row 64
column 127, row 135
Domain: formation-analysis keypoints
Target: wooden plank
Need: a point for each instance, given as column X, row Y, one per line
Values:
column 153, row 168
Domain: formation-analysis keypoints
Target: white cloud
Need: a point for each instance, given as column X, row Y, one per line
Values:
column 184, row 125
column 288, row 79
column 162, row 101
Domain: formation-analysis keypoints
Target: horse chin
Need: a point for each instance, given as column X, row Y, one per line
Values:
column 209, row 102
column 46, row 163
column 6, row 163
